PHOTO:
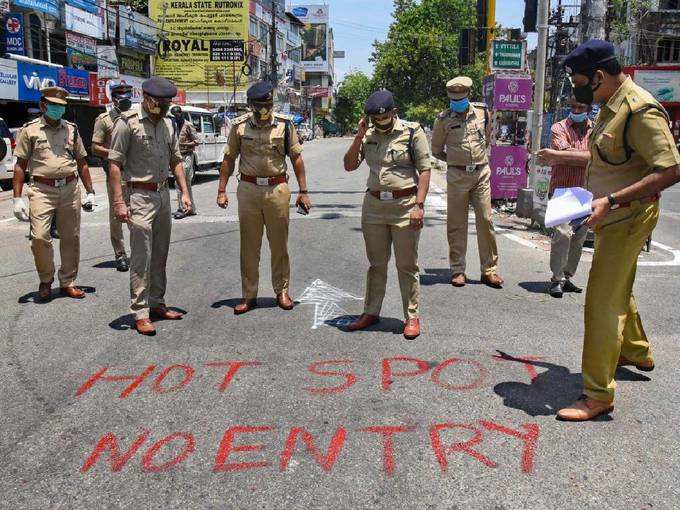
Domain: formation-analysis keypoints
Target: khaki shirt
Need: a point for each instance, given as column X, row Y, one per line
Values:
column 262, row 148
column 463, row 136
column 103, row 127
column 145, row 150
column 391, row 168
column 649, row 136
column 187, row 134
column 50, row 151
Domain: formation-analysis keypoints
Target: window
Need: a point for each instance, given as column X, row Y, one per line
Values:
column 668, row 50
column 253, row 27
column 196, row 121
column 208, row 126
column 264, row 33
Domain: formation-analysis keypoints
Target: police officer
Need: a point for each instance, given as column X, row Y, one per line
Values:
column 121, row 97
column 633, row 158
column 188, row 140
column 398, row 158
column 53, row 151
column 263, row 139
column 144, row 148
column 460, row 137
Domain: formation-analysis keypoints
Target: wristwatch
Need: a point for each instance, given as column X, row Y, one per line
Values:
column 421, row 205
column 612, row 201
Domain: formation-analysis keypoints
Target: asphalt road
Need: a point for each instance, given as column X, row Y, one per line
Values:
column 279, row 409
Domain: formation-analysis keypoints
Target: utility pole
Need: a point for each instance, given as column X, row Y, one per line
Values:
column 539, row 88
column 273, row 63
column 593, row 19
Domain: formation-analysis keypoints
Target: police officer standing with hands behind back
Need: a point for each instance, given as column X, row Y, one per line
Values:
column 143, row 150
column 460, row 137
column 633, row 157
column 52, row 150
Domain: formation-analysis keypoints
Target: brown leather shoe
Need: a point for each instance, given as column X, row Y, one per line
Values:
column 459, row 280
column 412, row 329
column 163, row 312
column 645, row 366
column 363, row 322
column 284, row 301
column 45, row 292
column 73, row 292
column 584, row 409
column 493, row 280
column 144, row 327
column 245, row 306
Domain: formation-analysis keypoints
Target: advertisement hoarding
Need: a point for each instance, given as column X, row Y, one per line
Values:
column 80, row 60
column 314, row 36
column 32, row 78
column 107, row 62
column 135, row 66
column 50, row 7
column 508, row 170
column 81, row 43
column 663, row 84
column 83, row 22
column 9, row 79
column 137, row 31
column 507, row 55
column 76, row 82
column 184, row 55
column 100, row 88
column 14, row 33
column 512, row 93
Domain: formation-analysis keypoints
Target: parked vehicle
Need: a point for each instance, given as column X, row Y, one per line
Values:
column 7, row 160
column 305, row 132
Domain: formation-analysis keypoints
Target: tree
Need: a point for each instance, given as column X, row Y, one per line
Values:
column 352, row 94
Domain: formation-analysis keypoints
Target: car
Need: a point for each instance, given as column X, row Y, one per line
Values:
column 305, row 132
column 7, row 144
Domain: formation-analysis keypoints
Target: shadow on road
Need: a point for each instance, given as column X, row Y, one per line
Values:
column 261, row 303
column 386, row 324
column 551, row 390
column 127, row 321
column 432, row 276
column 31, row 296
column 535, row 287
column 108, row 264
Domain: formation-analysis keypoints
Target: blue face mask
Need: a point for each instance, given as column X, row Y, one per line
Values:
column 460, row 105
column 578, row 117
column 55, row 111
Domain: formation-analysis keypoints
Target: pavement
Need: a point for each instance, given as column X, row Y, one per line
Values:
column 277, row 409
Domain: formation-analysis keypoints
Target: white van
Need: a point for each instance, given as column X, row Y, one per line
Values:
column 6, row 156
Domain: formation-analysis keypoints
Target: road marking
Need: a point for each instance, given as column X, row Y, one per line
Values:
column 326, row 299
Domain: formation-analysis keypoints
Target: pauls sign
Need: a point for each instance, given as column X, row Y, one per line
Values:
column 508, row 171
column 512, row 92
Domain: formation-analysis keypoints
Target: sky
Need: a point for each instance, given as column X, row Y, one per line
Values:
column 357, row 23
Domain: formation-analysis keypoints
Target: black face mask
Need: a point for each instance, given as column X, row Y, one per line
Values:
column 584, row 93
column 124, row 104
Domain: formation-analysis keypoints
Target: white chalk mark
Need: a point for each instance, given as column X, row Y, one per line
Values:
column 326, row 299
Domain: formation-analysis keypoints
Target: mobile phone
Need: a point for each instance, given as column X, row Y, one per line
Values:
column 579, row 223
column 302, row 210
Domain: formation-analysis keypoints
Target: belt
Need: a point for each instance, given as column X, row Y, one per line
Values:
column 265, row 181
column 468, row 168
column 150, row 186
column 55, row 183
column 397, row 193
column 646, row 200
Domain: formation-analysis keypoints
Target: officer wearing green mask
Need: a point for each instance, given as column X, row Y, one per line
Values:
column 52, row 150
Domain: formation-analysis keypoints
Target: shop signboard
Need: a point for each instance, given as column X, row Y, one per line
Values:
column 663, row 84
column 85, row 5
column 314, row 36
column 75, row 81
column 507, row 55
column 9, row 79
column 34, row 77
column 50, row 7
column 135, row 66
column 14, row 33
column 137, row 31
column 81, row 43
column 80, row 60
column 4, row 6
column 100, row 88
column 512, row 92
column 107, row 63
column 83, row 22
column 508, row 170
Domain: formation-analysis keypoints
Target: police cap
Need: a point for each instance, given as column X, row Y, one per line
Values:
column 159, row 87
column 459, row 87
column 379, row 102
column 586, row 57
column 261, row 91
column 55, row 95
column 121, row 89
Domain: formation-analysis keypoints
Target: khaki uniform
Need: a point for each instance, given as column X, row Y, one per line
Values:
column 464, row 141
column 612, row 322
column 386, row 223
column 262, row 151
column 103, row 129
column 146, row 151
column 187, row 134
column 52, row 152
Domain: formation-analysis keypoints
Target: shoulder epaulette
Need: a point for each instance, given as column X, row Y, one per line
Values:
column 102, row 115
column 31, row 122
column 411, row 124
column 444, row 114
column 283, row 116
column 479, row 104
column 241, row 119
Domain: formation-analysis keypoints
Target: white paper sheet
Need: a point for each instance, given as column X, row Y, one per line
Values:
column 568, row 204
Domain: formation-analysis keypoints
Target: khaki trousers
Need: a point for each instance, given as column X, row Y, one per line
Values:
column 261, row 207
column 463, row 188
column 565, row 251
column 188, row 164
column 45, row 202
column 612, row 322
column 115, row 225
column 379, row 240
column 150, row 228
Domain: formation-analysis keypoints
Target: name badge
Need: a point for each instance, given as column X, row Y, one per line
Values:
column 386, row 195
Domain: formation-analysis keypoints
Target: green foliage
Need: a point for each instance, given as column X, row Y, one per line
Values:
column 352, row 94
column 421, row 54
column 620, row 27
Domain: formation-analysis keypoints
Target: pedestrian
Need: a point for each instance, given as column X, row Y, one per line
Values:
column 568, row 155
column 121, row 97
column 460, row 138
column 262, row 139
column 52, row 150
column 144, row 148
column 398, row 158
column 633, row 158
column 188, row 140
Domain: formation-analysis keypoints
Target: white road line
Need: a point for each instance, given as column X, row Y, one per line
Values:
column 656, row 263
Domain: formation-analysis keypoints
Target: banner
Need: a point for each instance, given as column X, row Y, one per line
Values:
column 50, row 7
column 186, row 59
column 664, row 85
column 14, row 33
column 81, row 43
column 80, row 60
column 513, row 93
column 314, row 36
column 100, row 88
column 9, row 79
column 135, row 66
column 83, row 22
column 76, row 82
column 107, row 63
column 85, row 5
column 34, row 77
column 4, row 6
column 137, row 31
column 508, row 170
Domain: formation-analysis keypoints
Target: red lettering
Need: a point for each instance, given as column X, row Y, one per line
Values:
column 227, row 446
column 436, row 375
column 526, row 361
column 388, row 433
column 99, row 376
column 350, row 379
column 530, row 439
column 442, row 453
column 147, row 459
column 233, row 367
column 325, row 461
column 188, row 375
column 388, row 374
column 116, row 460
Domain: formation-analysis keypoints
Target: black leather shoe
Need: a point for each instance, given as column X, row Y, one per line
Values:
column 122, row 264
column 556, row 289
column 570, row 287
column 179, row 215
